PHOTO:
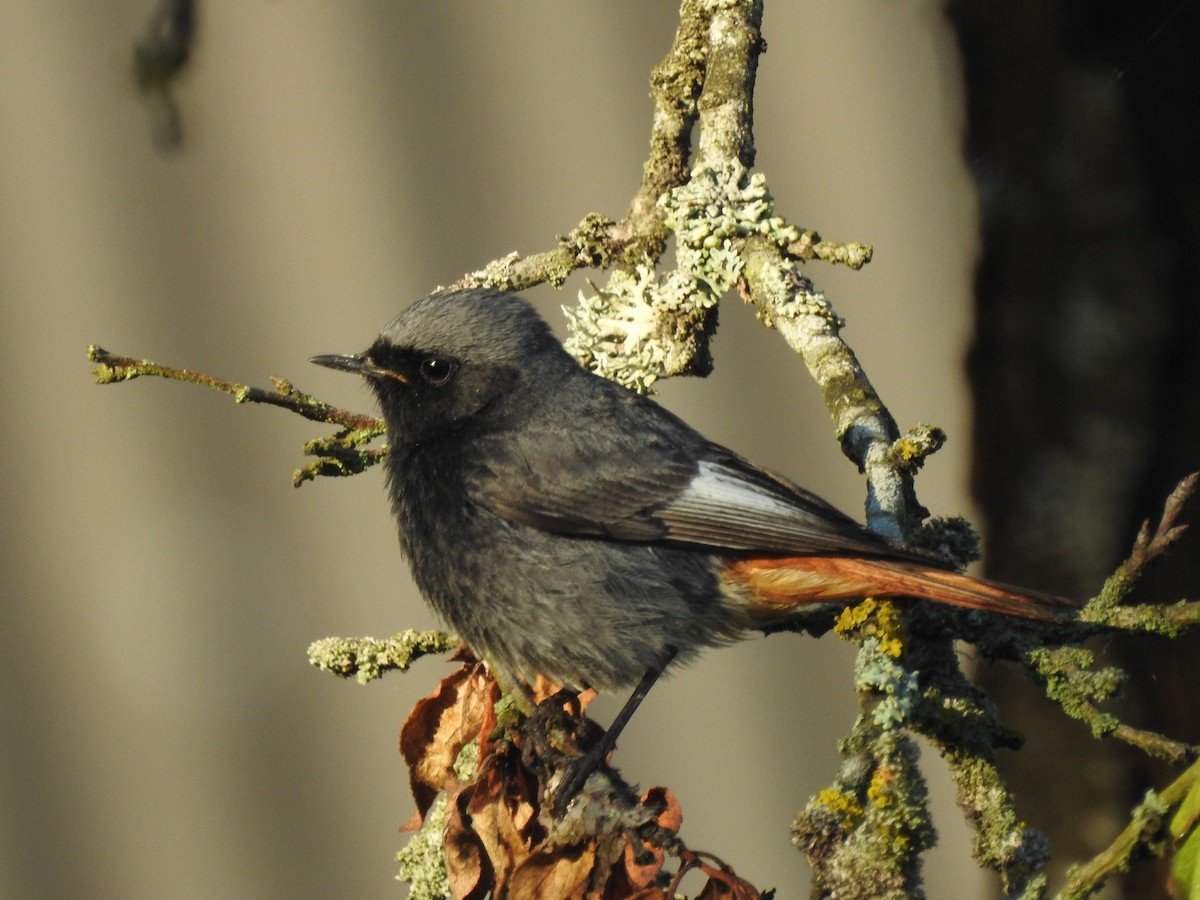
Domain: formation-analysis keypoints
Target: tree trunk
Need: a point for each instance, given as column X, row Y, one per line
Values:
column 1084, row 138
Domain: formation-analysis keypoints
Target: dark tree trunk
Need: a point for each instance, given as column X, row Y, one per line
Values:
column 1084, row 137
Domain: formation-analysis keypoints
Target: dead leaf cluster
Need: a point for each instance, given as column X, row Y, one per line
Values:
column 500, row 838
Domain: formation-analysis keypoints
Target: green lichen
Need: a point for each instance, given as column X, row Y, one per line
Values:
column 1001, row 841
column 367, row 658
column 843, row 806
column 908, row 453
column 950, row 537
column 422, row 861
column 781, row 290
column 896, row 801
column 1073, row 684
column 866, row 833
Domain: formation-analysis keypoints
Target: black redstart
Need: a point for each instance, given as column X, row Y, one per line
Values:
column 568, row 527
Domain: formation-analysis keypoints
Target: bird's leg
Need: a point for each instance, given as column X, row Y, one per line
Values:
column 583, row 766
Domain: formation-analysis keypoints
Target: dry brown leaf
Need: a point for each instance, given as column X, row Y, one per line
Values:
column 561, row 872
column 496, row 844
column 502, row 816
column 723, row 883
column 638, row 876
column 439, row 726
column 671, row 816
column 467, row 866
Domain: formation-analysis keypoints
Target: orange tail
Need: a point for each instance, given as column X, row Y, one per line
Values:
column 777, row 586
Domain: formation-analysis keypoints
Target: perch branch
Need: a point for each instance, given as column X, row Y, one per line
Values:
column 338, row 454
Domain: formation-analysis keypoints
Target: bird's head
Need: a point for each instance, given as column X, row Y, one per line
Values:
column 457, row 357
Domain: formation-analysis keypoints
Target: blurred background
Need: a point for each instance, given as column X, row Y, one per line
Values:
column 161, row 733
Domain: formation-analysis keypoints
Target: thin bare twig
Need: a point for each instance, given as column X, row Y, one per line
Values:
column 337, row 454
column 112, row 368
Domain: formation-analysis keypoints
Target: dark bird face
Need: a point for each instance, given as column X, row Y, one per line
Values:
column 457, row 358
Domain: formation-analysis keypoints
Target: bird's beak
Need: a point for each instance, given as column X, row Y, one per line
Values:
column 358, row 365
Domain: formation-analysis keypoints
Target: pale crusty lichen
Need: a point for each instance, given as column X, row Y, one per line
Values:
column 422, row 861
column 642, row 326
column 367, row 658
column 716, row 207
column 897, row 687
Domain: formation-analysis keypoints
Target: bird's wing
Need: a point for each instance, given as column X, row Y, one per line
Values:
column 657, row 481
column 582, row 482
column 732, row 504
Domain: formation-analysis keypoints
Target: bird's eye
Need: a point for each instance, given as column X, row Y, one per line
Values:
column 437, row 371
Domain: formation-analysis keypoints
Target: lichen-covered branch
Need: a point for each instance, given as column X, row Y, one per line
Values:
column 727, row 102
column 640, row 238
column 810, row 246
column 367, row 658
column 675, row 85
column 112, row 368
column 1073, row 683
column 342, row 453
column 802, row 315
column 1144, row 835
column 865, row 834
column 1107, row 607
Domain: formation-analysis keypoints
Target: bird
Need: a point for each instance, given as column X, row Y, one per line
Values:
column 568, row 527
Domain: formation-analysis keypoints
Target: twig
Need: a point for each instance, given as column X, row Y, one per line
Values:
column 367, row 658
column 1072, row 683
column 1108, row 608
column 338, row 454
column 1143, row 833
column 641, row 236
column 112, row 368
column 810, row 246
column 1147, row 547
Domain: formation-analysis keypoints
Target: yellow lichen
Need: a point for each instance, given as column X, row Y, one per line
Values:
column 875, row 618
column 844, row 805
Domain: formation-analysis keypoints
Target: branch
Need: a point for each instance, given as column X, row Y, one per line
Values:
column 113, row 369
column 1072, row 683
column 787, row 301
column 1106, row 608
column 365, row 659
column 338, row 454
column 810, row 246
column 641, row 236
column 1143, row 834
column 960, row 721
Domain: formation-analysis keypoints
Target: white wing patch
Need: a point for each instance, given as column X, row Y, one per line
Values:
column 738, row 508
column 722, row 490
